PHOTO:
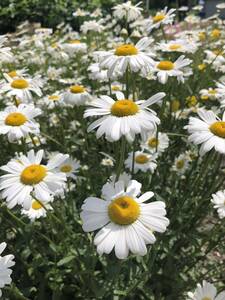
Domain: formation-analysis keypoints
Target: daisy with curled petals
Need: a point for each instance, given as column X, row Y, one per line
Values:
column 5, row 52
column 128, row 11
column 18, row 122
column 126, row 222
column 6, row 262
column 209, row 131
column 20, row 87
column 167, row 68
column 27, row 176
column 76, row 95
column 144, row 162
column 218, row 199
column 135, row 57
column 162, row 17
column 123, row 117
column 206, row 291
column 37, row 210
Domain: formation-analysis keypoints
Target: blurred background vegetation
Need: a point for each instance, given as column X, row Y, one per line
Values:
column 50, row 13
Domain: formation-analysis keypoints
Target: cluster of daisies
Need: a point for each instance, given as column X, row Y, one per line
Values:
column 92, row 77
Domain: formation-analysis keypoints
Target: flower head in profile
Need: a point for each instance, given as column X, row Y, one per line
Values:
column 76, row 95
column 26, row 177
column 74, row 46
column 162, row 17
column 37, row 210
column 206, row 291
column 18, row 122
column 207, row 130
column 123, row 117
column 6, row 262
column 126, row 223
column 129, row 55
column 127, row 10
column 218, row 199
column 144, row 162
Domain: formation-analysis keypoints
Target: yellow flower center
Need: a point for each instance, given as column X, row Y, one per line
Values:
column 218, row 52
column 19, row 84
column 202, row 36
column 204, row 97
column 174, row 47
column 12, row 74
column 53, row 98
column 125, row 50
column 74, row 42
column 77, row 89
column 207, row 298
column 175, row 105
column 36, row 205
column 201, row 67
column 180, row 164
column 218, row 128
column 215, row 33
column 191, row 101
column 153, row 142
column 15, row 119
column 212, row 92
column 115, row 88
column 66, row 169
column 123, row 108
column 124, row 210
column 141, row 159
column 158, row 18
column 33, row 174
column 165, row 65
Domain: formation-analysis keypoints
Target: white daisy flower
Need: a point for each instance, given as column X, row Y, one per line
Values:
column 135, row 57
column 123, row 117
column 70, row 167
column 209, row 93
column 162, row 17
column 17, row 73
column 6, row 262
column 127, row 224
column 74, row 46
column 127, row 10
column 96, row 73
column 181, row 163
column 142, row 162
column 52, row 100
column 206, row 291
column 5, row 52
column 76, row 96
column 37, row 210
column 209, row 131
column 21, row 87
column 218, row 199
column 156, row 142
column 183, row 46
column 167, row 68
column 93, row 26
column 26, row 175
column 18, row 122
